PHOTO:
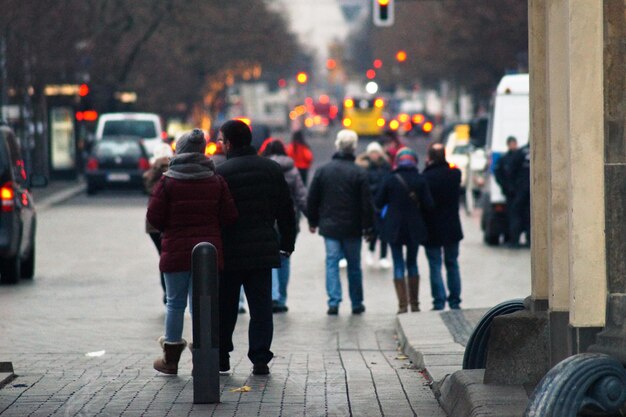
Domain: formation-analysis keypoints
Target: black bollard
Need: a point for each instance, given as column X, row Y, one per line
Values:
column 206, row 347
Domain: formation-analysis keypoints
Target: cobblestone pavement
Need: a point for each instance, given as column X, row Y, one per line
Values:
column 101, row 295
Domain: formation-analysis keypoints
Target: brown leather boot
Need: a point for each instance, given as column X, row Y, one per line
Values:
column 400, row 285
column 168, row 364
column 414, row 292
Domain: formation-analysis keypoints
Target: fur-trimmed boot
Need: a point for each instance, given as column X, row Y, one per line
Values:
column 400, row 285
column 414, row 292
column 168, row 364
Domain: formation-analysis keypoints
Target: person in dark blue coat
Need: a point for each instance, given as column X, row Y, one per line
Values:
column 406, row 196
column 444, row 228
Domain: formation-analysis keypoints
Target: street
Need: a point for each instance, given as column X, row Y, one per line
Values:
column 82, row 335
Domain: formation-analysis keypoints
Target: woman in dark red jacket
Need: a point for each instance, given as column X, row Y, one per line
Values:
column 189, row 205
column 300, row 152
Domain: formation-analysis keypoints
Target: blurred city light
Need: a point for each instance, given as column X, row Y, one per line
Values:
column 331, row 64
column 370, row 74
column 302, row 77
column 378, row 63
column 83, row 90
column 401, row 56
column 371, row 87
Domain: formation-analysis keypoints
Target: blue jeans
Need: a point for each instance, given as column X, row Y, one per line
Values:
column 280, row 279
column 399, row 262
column 450, row 258
column 350, row 249
column 177, row 291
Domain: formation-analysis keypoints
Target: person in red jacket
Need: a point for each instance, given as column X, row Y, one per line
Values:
column 300, row 152
column 189, row 205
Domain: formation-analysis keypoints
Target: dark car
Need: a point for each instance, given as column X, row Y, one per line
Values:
column 116, row 162
column 18, row 219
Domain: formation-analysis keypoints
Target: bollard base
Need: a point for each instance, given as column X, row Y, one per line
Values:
column 206, row 376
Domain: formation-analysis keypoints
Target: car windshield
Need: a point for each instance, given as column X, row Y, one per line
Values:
column 141, row 128
column 118, row 148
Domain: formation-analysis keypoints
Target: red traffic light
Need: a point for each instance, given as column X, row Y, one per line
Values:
column 83, row 90
column 370, row 74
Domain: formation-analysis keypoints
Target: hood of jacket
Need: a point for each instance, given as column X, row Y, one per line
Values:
column 190, row 166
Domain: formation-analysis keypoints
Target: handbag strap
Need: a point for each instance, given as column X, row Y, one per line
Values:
column 412, row 193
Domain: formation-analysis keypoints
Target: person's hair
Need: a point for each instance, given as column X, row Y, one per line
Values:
column 275, row 147
column 390, row 135
column 437, row 153
column 511, row 139
column 237, row 133
column 298, row 137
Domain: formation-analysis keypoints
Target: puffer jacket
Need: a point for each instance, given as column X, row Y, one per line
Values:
column 297, row 188
column 188, row 212
column 263, row 200
column 339, row 201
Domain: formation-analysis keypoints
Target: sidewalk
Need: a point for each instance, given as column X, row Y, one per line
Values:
column 435, row 342
column 56, row 192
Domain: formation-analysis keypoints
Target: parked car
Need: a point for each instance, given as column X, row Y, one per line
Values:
column 18, row 219
column 144, row 126
column 116, row 162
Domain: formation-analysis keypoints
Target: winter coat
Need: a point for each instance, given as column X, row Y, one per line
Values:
column 262, row 198
column 404, row 221
column 503, row 173
column 188, row 212
column 444, row 223
column 297, row 189
column 301, row 155
column 150, row 179
column 339, row 201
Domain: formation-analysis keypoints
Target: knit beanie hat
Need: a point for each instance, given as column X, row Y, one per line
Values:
column 375, row 147
column 346, row 141
column 406, row 156
column 190, row 142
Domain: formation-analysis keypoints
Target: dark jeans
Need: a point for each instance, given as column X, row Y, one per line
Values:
column 304, row 174
column 383, row 247
column 257, row 284
column 437, row 288
column 156, row 238
column 399, row 262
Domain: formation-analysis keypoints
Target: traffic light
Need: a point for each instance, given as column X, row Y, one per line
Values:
column 383, row 12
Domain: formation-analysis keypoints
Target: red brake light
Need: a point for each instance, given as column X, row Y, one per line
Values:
column 7, row 194
column 92, row 164
column 144, row 164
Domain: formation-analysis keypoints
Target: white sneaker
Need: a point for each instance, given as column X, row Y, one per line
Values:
column 369, row 259
column 384, row 263
column 343, row 263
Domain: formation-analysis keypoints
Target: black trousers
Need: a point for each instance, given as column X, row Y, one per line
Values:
column 257, row 284
column 156, row 239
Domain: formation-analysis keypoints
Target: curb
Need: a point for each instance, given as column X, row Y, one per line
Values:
column 409, row 350
column 6, row 373
column 60, row 197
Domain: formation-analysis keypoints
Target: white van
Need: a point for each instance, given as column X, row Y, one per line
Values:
column 510, row 116
column 146, row 126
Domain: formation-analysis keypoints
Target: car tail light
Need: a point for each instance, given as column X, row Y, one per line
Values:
column 144, row 164
column 7, row 195
column 92, row 164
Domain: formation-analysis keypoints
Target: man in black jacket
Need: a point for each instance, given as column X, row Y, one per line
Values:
column 444, row 228
column 340, row 204
column 251, row 246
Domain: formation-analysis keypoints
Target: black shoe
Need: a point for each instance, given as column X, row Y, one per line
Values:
column 279, row 308
column 358, row 310
column 260, row 369
column 224, row 365
column 242, row 310
column 333, row 311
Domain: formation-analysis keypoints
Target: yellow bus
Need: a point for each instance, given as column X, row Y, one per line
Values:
column 364, row 115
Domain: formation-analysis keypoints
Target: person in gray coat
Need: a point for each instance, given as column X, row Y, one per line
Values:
column 275, row 150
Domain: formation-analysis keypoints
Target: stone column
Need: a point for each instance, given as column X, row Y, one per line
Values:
column 586, row 188
column 539, row 145
column 558, row 160
column 613, row 338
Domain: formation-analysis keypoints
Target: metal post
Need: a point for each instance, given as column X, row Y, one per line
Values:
column 206, row 377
